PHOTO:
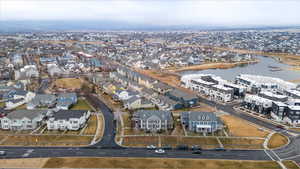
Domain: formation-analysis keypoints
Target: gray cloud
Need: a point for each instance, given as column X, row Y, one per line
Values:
column 168, row 12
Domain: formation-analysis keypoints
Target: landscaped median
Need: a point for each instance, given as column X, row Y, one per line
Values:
column 135, row 163
column 277, row 140
column 208, row 142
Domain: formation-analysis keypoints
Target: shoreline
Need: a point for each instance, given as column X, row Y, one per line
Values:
column 212, row 65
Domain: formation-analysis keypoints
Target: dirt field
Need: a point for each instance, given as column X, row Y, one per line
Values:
column 242, row 143
column 81, row 105
column 101, row 132
column 47, row 140
column 140, row 141
column 241, row 128
column 137, row 163
column 277, row 140
column 290, row 165
column 205, row 66
column 69, row 83
column 91, row 126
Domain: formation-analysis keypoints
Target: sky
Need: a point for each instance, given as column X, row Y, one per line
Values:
column 157, row 12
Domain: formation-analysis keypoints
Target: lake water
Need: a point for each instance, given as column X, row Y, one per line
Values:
column 261, row 68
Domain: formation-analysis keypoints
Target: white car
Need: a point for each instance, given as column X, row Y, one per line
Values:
column 160, row 151
column 151, row 147
column 2, row 153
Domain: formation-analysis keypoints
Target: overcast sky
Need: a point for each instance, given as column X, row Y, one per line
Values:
column 157, row 12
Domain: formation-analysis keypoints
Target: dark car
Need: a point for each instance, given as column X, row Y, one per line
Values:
column 182, row 147
column 280, row 126
column 196, row 147
column 197, row 152
column 220, row 149
column 167, row 147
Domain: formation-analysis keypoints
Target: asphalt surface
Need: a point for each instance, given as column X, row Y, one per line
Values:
column 108, row 148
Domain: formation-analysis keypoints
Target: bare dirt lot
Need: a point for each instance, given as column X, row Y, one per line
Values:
column 136, row 163
column 241, row 128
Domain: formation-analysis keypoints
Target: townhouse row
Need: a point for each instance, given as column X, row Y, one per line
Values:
column 32, row 119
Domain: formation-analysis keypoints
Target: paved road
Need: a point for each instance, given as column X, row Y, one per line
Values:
column 131, row 152
column 108, row 139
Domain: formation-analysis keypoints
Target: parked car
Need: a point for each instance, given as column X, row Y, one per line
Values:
column 196, row 147
column 197, row 152
column 167, row 147
column 182, row 147
column 220, row 149
column 151, row 147
column 2, row 153
column 159, row 151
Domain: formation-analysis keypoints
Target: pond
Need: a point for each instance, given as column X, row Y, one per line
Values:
column 266, row 67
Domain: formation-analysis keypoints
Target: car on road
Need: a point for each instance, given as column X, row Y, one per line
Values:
column 280, row 127
column 151, row 147
column 197, row 152
column 159, row 151
column 220, row 149
column 2, row 153
column 196, row 147
column 182, row 147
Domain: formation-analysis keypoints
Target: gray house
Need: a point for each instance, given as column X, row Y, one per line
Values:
column 153, row 120
column 42, row 100
column 65, row 100
column 201, row 121
column 23, row 119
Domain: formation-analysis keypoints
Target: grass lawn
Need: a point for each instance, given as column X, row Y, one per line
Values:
column 81, row 105
column 22, row 107
column 241, row 128
column 126, row 119
column 69, row 83
column 2, row 104
column 47, row 140
column 204, row 142
column 295, row 129
column 242, row 143
column 140, row 141
column 91, row 126
column 290, row 165
column 277, row 140
column 136, row 163
column 101, row 128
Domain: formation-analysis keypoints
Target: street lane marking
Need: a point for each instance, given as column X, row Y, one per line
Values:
column 269, row 155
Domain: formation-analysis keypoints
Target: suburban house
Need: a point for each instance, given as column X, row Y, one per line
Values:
column 188, row 100
column 138, row 103
column 42, row 100
column 23, row 119
column 292, row 115
column 68, row 120
column 199, row 122
column 65, row 100
column 18, row 98
column 153, row 120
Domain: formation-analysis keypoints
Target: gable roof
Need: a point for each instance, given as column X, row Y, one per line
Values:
column 20, row 114
column 145, row 114
column 67, row 114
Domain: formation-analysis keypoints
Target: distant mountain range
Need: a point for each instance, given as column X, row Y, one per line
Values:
column 53, row 26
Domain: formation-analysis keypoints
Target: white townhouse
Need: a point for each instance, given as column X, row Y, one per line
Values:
column 256, row 83
column 209, row 85
column 221, row 93
column 257, row 103
column 68, row 120
column 23, row 119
